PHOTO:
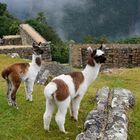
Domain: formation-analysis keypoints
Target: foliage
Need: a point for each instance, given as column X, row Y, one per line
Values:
column 130, row 40
column 60, row 52
column 27, row 122
column 39, row 24
column 88, row 39
column 8, row 24
column 2, row 9
column 58, row 48
column 41, row 17
column 96, row 40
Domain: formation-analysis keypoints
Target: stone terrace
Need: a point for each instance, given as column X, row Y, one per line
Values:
column 22, row 44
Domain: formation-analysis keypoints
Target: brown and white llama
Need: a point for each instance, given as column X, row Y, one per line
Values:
column 26, row 72
column 67, row 90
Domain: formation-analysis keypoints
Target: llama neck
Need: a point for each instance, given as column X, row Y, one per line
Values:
column 36, row 60
column 91, row 72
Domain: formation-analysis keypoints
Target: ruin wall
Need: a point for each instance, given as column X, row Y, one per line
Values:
column 25, row 51
column 118, row 55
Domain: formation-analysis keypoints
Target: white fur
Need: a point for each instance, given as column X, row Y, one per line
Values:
column 89, row 49
column 73, row 101
column 99, row 52
column 30, row 76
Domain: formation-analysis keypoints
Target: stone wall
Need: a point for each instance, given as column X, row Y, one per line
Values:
column 25, row 51
column 29, row 35
column 118, row 55
column 22, row 44
column 12, row 40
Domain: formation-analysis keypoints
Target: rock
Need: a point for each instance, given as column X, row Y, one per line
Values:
column 14, row 55
column 50, row 70
column 109, row 120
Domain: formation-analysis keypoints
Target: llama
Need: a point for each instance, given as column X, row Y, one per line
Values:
column 26, row 72
column 67, row 90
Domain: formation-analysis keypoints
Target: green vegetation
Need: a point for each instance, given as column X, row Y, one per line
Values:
column 39, row 24
column 130, row 40
column 27, row 122
column 96, row 40
column 58, row 48
column 8, row 24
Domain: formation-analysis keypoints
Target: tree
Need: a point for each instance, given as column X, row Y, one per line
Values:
column 44, row 29
column 58, row 48
column 41, row 17
column 102, row 40
column 3, row 8
column 8, row 24
column 88, row 39
column 130, row 40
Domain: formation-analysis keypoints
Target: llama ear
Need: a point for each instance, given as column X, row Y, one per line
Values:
column 34, row 44
column 39, row 43
column 102, row 47
column 90, row 50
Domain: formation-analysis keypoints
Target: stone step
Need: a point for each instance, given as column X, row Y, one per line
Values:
column 14, row 46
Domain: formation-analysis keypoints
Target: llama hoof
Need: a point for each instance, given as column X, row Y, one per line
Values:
column 65, row 132
column 17, row 107
column 75, row 119
column 47, row 129
column 10, row 103
column 29, row 99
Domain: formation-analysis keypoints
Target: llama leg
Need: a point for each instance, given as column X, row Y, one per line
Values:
column 29, row 89
column 70, row 109
column 60, row 116
column 48, row 113
column 15, row 85
column 75, row 106
column 9, row 90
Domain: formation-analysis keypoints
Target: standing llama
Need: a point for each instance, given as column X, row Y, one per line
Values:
column 26, row 72
column 67, row 90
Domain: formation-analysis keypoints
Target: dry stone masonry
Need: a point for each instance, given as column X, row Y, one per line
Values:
column 109, row 120
column 50, row 70
column 12, row 40
column 22, row 44
column 118, row 55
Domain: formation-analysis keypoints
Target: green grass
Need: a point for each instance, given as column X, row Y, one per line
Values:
column 27, row 122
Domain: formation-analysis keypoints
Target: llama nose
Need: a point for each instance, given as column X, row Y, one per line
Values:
column 41, row 51
column 104, row 59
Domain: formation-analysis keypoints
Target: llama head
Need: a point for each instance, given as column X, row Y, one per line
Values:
column 96, row 55
column 36, row 49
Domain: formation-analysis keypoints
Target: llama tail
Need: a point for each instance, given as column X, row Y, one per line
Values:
column 5, row 73
column 50, row 90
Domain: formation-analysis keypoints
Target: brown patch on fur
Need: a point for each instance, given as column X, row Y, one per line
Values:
column 38, row 61
column 91, row 61
column 62, row 91
column 17, row 69
column 13, row 74
column 78, row 78
column 15, row 79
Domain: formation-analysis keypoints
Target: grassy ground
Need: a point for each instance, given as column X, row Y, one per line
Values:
column 27, row 123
